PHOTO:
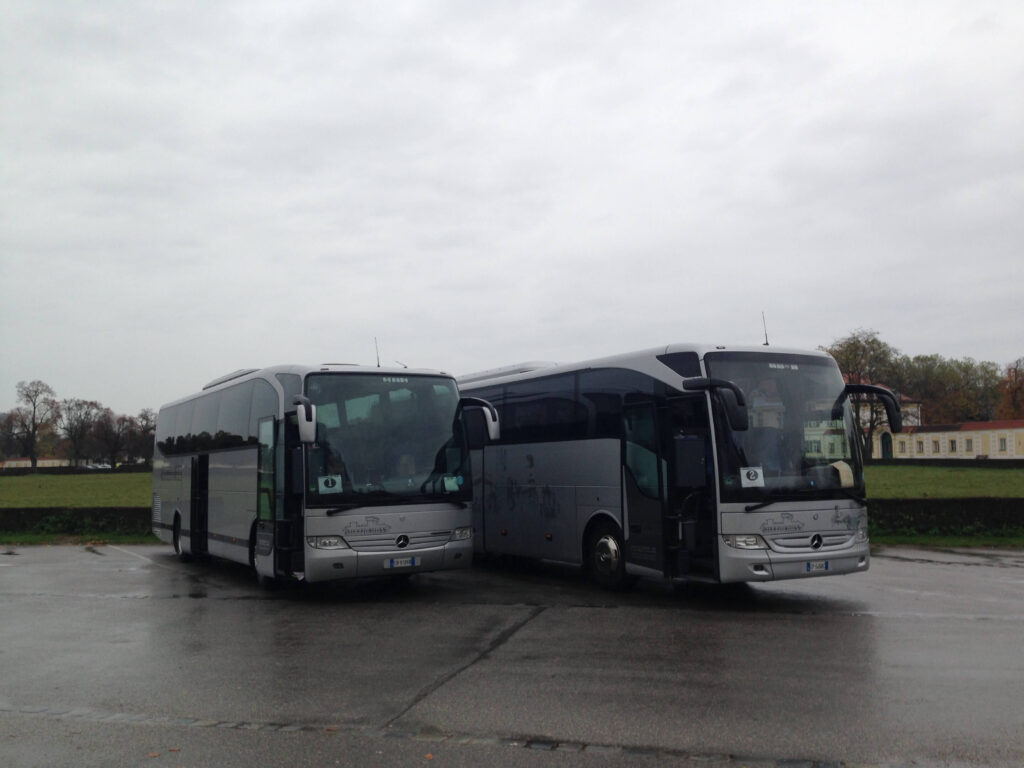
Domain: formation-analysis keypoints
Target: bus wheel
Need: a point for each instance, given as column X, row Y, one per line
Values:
column 605, row 557
column 177, row 540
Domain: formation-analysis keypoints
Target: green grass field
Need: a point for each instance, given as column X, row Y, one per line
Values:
column 112, row 490
column 98, row 489
column 133, row 489
column 890, row 482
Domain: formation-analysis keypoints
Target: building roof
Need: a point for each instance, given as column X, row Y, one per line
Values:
column 968, row 426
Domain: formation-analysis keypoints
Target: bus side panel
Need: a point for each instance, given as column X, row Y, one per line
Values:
column 171, row 493
column 481, row 493
column 539, row 496
column 232, row 500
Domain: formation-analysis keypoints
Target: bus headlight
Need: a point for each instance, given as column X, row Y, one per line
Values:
column 461, row 534
column 745, row 541
column 862, row 535
column 327, row 542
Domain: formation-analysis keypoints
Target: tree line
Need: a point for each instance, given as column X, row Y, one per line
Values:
column 950, row 391
column 81, row 431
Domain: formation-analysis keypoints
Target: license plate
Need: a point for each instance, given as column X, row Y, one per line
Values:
column 817, row 566
column 401, row 562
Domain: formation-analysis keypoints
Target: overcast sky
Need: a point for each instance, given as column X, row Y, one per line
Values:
column 191, row 188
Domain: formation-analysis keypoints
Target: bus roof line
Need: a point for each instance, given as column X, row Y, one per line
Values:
column 507, row 370
column 231, row 376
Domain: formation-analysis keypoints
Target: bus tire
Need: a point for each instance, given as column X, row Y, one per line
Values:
column 178, row 550
column 605, row 556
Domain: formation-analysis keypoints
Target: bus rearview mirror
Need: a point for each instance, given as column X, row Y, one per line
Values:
column 306, row 415
column 490, row 414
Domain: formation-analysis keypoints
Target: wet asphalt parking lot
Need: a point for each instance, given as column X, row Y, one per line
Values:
column 125, row 656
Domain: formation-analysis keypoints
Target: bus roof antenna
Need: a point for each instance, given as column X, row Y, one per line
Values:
column 765, row 324
column 377, row 347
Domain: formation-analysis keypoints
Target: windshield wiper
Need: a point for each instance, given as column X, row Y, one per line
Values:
column 760, row 505
column 781, row 495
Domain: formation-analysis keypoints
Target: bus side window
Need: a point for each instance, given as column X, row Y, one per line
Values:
column 641, row 447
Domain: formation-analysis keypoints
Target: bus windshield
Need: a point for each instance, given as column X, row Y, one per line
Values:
column 384, row 439
column 797, row 445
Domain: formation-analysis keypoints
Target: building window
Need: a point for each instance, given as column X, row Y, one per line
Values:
column 952, row 446
column 970, row 445
column 1002, row 445
column 903, row 446
column 920, row 446
column 935, row 446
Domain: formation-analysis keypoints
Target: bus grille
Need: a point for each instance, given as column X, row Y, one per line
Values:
column 801, row 542
column 387, row 542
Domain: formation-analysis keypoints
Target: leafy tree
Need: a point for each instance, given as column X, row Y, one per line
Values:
column 34, row 420
column 865, row 359
column 951, row 391
column 1011, row 390
column 76, row 421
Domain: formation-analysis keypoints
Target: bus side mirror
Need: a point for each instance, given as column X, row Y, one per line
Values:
column 306, row 415
column 729, row 394
column 893, row 414
column 489, row 413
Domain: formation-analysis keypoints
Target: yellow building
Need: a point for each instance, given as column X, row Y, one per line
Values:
column 970, row 440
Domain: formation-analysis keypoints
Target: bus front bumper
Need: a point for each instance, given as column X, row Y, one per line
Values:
column 766, row 565
column 333, row 564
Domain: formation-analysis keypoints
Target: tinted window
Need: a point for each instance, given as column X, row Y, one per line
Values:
column 686, row 364
column 233, row 416
column 264, row 405
column 543, row 409
column 603, row 391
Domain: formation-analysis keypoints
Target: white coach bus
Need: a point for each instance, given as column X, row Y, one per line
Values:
column 318, row 473
column 684, row 462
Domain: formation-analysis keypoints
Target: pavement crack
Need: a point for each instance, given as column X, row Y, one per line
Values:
column 499, row 640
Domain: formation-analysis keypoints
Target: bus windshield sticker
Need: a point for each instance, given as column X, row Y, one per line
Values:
column 451, row 484
column 751, row 477
column 330, row 484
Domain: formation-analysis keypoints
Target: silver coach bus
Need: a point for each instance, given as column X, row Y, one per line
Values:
column 318, row 473
column 683, row 462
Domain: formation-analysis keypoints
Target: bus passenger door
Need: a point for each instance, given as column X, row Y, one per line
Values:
column 262, row 552
column 690, row 522
column 199, row 507
column 288, row 523
column 643, row 483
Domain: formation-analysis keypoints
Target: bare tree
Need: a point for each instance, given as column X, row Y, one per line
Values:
column 76, row 421
column 1011, row 404
column 142, row 435
column 35, row 417
column 112, row 433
